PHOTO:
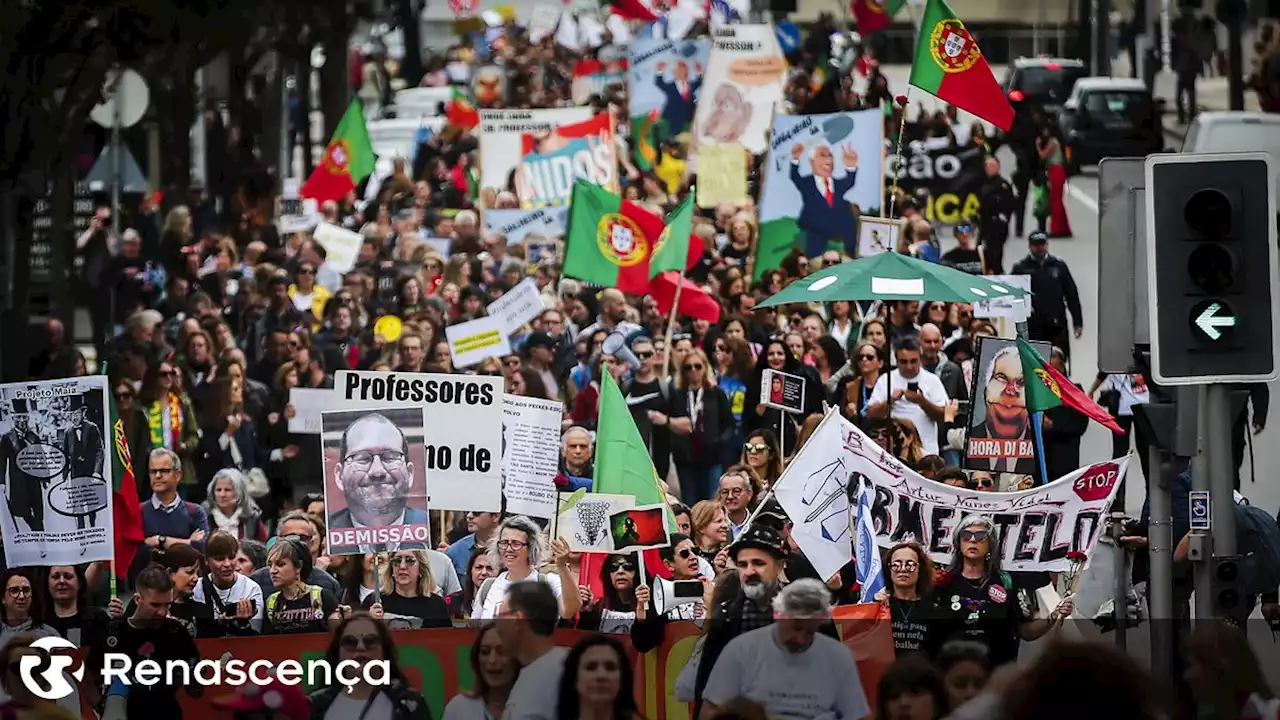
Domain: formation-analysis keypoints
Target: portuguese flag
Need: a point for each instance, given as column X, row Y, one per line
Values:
column 949, row 65
column 461, row 112
column 609, row 240
column 875, row 15
column 126, row 516
column 347, row 160
column 1048, row 389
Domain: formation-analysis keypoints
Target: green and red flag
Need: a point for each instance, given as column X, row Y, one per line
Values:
column 609, row 241
column 126, row 515
column 638, row 529
column 1047, row 389
column 348, row 159
column 875, row 15
column 461, row 112
column 949, row 65
column 673, row 250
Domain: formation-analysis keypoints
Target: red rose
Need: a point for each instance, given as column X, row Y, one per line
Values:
column 1077, row 556
column 901, row 100
column 146, row 649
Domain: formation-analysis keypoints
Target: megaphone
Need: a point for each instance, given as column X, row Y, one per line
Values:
column 667, row 594
column 616, row 345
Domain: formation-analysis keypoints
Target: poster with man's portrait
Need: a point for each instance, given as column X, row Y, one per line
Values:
column 1000, row 437
column 877, row 235
column 375, row 480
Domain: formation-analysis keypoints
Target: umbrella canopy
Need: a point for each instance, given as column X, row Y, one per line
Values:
column 890, row 276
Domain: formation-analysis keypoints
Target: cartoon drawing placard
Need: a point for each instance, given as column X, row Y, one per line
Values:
column 741, row 87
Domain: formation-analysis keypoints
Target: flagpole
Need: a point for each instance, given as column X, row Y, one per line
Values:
column 1037, row 423
column 897, row 152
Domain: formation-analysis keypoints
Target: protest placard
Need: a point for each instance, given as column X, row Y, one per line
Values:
column 375, row 480
column 519, row 305
column 552, row 161
column 1017, row 309
column 782, row 391
column 502, row 143
column 639, row 528
column 517, row 224
column 663, row 85
column 462, row 423
column 56, row 472
column 722, row 175
column 530, row 454
column 743, row 83
column 307, row 405
column 1000, row 436
column 341, row 246
column 474, row 340
column 582, row 519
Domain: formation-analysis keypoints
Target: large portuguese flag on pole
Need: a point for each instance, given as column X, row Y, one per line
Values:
column 949, row 65
column 348, row 159
column 609, row 240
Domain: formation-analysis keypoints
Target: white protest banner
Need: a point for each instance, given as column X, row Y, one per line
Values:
column 809, row 155
column 517, row 306
column 54, row 445
column 341, row 246
column 307, row 405
column 462, row 429
column 502, row 143
column 740, row 88
column 1017, row 309
column 1037, row 527
column 516, row 225
column 582, row 519
column 531, row 454
column 473, row 341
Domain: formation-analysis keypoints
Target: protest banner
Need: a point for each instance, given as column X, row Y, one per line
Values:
column 743, row 83
column 818, row 169
column 341, row 246
column 502, row 139
column 462, row 423
column 552, row 161
column 782, row 391
column 375, row 480
column 55, row 471
column 517, row 306
column 530, row 454
column 1000, row 437
column 641, row 528
column 1038, row 527
column 436, row 661
column 517, row 224
column 583, row 519
column 663, row 85
column 473, row 341
column 1015, row 309
column 952, row 177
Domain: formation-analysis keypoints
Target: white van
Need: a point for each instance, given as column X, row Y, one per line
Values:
column 1234, row 131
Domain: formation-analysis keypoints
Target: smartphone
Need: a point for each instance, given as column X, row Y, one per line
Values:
column 913, row 387
column 687, row 588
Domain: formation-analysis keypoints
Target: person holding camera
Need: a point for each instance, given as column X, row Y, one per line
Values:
column 917, row 395
column 235, row 600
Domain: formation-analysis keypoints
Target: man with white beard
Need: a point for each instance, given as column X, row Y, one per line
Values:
column 758, row 555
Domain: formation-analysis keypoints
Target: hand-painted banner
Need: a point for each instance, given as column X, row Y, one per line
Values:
column 662, row 89
column 435, row 661
column 501, row 139
column 552, row 161
column 953, row 178
column 516, row 225
column 741, row 87
column 1037, row 527
column 818, row 167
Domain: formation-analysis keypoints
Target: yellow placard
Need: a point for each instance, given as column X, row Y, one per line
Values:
column 722, row 174
column 389, row 327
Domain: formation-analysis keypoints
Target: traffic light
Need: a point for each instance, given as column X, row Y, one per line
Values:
column 1211, row 265
column 1229, row 597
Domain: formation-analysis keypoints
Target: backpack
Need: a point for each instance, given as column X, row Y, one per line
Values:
column 1258, row 544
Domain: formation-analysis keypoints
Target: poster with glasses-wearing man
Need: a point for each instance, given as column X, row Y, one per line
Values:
column 55, row 471
column 375, row 485
column 1000, row 437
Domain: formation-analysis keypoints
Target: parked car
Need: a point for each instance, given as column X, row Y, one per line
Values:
column 1109, row 117
column 1040, row 82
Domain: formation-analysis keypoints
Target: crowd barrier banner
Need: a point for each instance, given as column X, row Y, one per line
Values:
column 438, row 661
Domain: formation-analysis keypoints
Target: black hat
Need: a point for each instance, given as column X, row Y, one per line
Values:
column 1037, row 238
column 761, row 537
column 539, row 338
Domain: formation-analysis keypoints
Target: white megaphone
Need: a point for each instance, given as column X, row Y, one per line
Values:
column 668, row 594
column 616, row 345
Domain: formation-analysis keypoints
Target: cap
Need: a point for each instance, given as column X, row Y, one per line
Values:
column 539, row 338
column 1037, row 238
column 288, row 701
column 760, row 537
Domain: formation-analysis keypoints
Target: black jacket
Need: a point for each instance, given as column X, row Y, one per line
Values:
column 1053, row 290
column 998, row 203
column 1062, row 441
column 716, row 427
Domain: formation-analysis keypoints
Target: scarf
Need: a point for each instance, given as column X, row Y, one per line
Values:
column 226, row 523
column 171, row 406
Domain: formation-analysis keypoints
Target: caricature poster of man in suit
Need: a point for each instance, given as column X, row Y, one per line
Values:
column 681, row 93
column 826, row 215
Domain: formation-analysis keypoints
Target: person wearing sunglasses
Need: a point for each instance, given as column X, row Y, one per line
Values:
column 909, row 572
column 615, row 611
column 701, row 423
column 760, row 455
column 681, row 558
column 362, row 638
column 408, row 589
column 976, row 600
column 965, row 256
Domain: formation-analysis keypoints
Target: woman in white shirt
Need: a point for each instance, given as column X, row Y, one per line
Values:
column 495, row 672
column 519, row 551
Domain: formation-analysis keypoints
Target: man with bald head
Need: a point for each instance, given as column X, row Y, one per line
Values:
column 935, row 361
column 613, row 315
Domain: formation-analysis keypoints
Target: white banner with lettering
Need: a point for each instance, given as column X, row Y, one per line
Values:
column 1037, row 527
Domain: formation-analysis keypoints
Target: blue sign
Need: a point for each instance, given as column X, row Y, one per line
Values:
column 1201, row 519
column 788, row 36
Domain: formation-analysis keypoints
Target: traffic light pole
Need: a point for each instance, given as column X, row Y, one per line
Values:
column 1201, row 544
column 1216, row 406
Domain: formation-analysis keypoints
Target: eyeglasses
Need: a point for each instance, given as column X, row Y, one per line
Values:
column 161, row 471
column 360, row 642
column 693, row 366
column 624, row 565
column 684, row 553
column 721, row 348
column 19, row 591
column 512, row 362
column 974, row 536
column 512, row 544
column 756, row 447
column 300, row 537
column 904, row 565
column 986, row 484
column 732, row 492
column 864, row 356
column 644, row 354
column 964, row 228
column 363, row 459
column 405, row 560
column 170, row 372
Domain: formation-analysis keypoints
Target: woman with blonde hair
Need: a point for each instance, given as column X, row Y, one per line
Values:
column 701, row 421
column 710, row 529
column 408, row 588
